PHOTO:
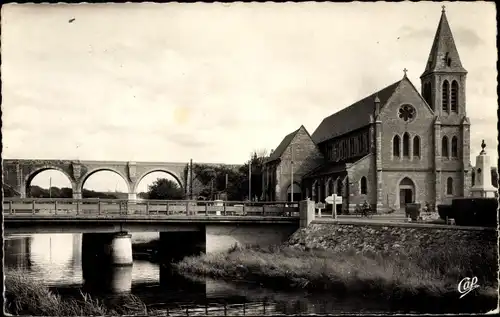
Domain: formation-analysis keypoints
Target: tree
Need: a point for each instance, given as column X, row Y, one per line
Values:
column 257, row 161
column 237, row 178
column 211, row 180
column 164, row 188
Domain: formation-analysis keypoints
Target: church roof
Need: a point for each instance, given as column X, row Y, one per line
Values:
column 330, row 168
column 353, row 117
column 283, row 146
column 444, row 54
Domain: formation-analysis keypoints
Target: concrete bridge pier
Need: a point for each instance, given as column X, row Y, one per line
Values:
column 121, row 249
column 107, row 261
column 111, row 249
column 77, row 195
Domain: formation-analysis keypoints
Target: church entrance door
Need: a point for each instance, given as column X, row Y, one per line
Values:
column 406, row 193
column 406, row 196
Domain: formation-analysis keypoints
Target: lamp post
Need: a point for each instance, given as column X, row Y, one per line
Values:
column 291, row 171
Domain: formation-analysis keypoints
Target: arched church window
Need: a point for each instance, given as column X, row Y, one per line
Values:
column 454, row 147
column 406, row 144
column 363, row 185
column 454, row 96
column 395, row 146
column 446, row 94
column 444, row 147
column 416, row 146
column 449, row 186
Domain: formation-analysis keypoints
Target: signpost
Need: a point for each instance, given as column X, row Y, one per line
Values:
column 334, row 200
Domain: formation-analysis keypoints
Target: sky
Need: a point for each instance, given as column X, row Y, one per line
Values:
column 213, row 82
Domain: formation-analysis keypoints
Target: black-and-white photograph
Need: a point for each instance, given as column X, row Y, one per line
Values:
column 249, row 159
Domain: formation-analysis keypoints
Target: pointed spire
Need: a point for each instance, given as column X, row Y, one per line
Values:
column 444, row 54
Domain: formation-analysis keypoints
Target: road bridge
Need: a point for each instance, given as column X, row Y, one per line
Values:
column 183, row 225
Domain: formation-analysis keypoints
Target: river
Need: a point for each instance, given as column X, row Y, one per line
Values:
column 55, row 259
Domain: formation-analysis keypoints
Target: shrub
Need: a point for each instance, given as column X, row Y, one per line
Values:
column 475, row 211
column 413, row 211
column 445, row 211
column 429, row 207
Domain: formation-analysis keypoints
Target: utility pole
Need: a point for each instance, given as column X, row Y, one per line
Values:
column 291, row 171
column 190, row 189
column 212, row 189
column 50, row 187
column 250, row 179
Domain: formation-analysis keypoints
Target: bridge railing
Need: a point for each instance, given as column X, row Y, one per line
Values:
column 96, row 206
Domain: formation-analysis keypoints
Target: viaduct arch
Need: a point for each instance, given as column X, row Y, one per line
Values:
column 18, row 173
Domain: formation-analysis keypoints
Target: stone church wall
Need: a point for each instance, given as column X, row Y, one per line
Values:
column 364, row 167
column 424, row 187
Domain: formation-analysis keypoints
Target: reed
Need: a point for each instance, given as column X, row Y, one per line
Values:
column 24, row 296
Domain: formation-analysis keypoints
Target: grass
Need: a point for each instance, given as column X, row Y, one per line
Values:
column 25, row 296
column 418, row 272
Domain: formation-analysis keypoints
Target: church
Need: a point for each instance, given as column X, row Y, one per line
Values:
column 398, row 145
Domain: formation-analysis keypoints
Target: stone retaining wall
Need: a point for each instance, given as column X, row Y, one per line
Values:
column 384, row 237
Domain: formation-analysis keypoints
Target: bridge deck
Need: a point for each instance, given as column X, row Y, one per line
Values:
column 124, row 210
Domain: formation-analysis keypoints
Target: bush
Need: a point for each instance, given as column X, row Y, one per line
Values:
column 445, row 211
column 429, row 207
column 475, row 211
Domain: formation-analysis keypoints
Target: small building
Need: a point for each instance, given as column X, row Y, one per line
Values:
column 297, row 152
column 396, row 146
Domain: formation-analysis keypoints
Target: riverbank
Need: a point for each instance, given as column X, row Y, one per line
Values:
column 392, row 263
column 25, row 296
column 348, row 273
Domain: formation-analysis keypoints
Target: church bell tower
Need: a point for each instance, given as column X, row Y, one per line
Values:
column 443, row 81
column 443, row 88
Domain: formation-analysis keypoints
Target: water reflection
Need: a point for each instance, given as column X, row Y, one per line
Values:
column 56, row 259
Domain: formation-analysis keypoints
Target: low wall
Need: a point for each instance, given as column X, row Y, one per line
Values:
column 383, row 237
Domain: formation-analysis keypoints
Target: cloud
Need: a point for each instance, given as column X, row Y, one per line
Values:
column 468, row 36
column 173, row 82
column 461, row 34
column 414, row 33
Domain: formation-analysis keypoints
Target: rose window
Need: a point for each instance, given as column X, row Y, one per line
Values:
column 407, row 113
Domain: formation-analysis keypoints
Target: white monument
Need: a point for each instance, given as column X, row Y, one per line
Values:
column 483, row 186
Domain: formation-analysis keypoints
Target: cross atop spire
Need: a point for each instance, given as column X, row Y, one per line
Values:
column 443, row 10
column 404, row 71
